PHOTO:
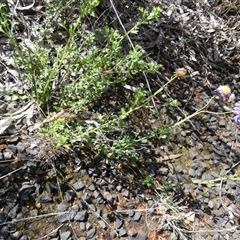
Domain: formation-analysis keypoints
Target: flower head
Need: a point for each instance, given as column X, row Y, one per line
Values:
column 224, row 91
column 236, row 111
column 181, row 72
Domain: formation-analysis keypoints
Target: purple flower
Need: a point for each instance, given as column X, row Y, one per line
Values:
column 236, row 111
column 224, row 91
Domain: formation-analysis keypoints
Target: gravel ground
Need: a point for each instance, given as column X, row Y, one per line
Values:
column 76, row 195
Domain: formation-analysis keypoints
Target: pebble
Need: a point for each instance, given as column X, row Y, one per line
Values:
column 91, row 232
column 46, row 198
column 102, row 224
column 164, row 171
column 62, row 207
column 65, row 235
column 80, row 216
column 137, row 216
column 126, row 194
column 142, row 235
column 82, row 226
column 192, row 154
column 78, row 186
column 122, row 232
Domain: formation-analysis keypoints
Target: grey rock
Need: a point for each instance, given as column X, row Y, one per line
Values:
column 97, row 214
column 163, row 171
column 17, row 235
column 78, row 186
column 92, row 207
column 132, row 232
column 72, row 214
column 13, row 212
column 91, row 232
column 27, row 188
column 118, row 223
column 102, row 224
column 91, row 171
column 122, row 232
column 109, row 197
column 131, row 212
column 192, row 154
column 88, row 226
column 92, row 187
column 137, row 216
column 63, row 218
column 62, row 207
column 53, row 234
column 142, row 235
column 211, row 204
column 82, row 226
column 7, row 155
column 113, row 234
column 192, row 172
column 96, row 194
column 33, row 213
column 183, row 134
column 86, row 197
column 24, row 237
column 65, row 235
column 126, row 194
column 179, row 169
column 68, row 196
column 231, row 184
column 81, row 216
column 46, row 198
column 119, row 188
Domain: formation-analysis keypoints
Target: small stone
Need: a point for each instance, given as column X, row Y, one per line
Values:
column 33, row 213
column 192, row 172
column 53, row 234
column 113, row 234
column 62, row 207
column 16, row 235
column 119, row 188
column 96, row 194
column 179, row 169
column 13, row 139
column 24, row 237
column 102, row 224
column 211, row 204
column 132, row 232
column 78, row 186
column 122, row 232
column 142, row 235
column 88, row 226
column 46, row 198
column 126, row 194
column 91, row 232
column 68, row 196
column 98, row 213
column 137, row 216
column 65, row 235
column 82, row 226
column 118, row 223
column 192, row 154
column 7, row 155
column 131, row 212
column 109, row 197
column 63, row 218
column 80, row 216
column 92, row 187
column 163, row 171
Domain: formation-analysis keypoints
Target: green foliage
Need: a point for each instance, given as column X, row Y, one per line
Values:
column 75, row 71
